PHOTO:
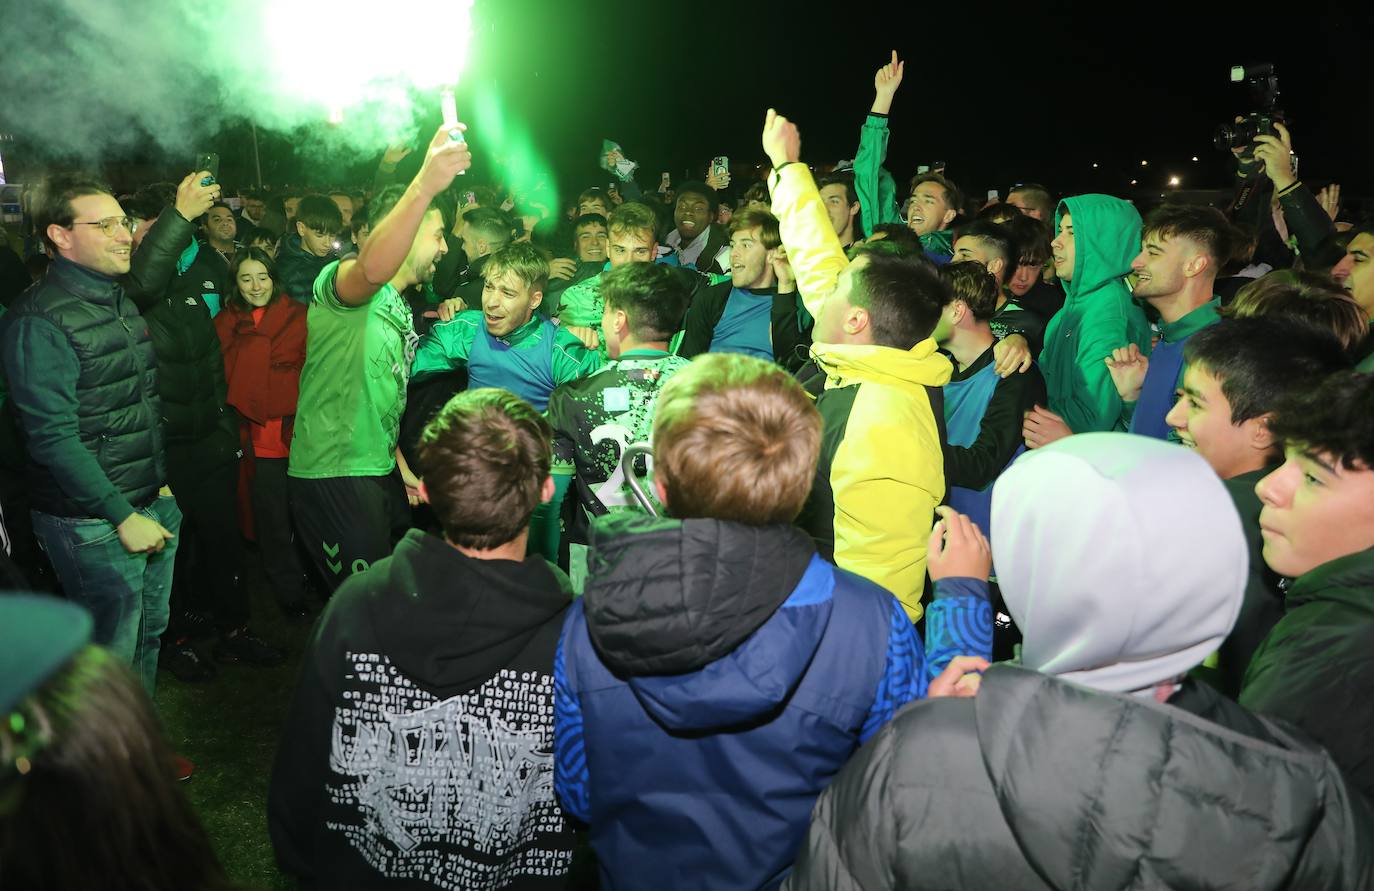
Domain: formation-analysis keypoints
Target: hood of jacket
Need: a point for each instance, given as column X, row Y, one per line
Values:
column 450, row 621
column 689, row 612
column 1121, row 806
column 1120, row 557
column 1106, row 234
column 921, row 366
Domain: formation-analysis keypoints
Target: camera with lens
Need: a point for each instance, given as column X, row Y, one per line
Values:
column 1263, row 84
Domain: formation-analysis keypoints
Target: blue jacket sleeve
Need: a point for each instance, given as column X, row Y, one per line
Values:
column 902, row 680
column 571, row 779
column 958, row 623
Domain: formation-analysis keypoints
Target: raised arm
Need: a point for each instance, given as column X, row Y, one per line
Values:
column 874, row 186
column 812, row 246
column 389, row 243
column 155, row 262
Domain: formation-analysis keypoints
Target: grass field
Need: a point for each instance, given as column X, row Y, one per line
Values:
column 229, row 728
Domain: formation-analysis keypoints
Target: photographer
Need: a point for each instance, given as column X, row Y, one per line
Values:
column 1308, row 223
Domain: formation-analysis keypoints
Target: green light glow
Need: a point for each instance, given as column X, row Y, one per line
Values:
column 392, row 47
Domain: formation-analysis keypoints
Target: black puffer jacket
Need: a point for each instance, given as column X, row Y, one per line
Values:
column 169, row 291
column 1042, row 784
column 297, row 269
column 82, row 377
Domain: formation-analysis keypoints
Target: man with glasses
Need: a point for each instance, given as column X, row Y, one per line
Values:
column 82, row 375
column 312, row 246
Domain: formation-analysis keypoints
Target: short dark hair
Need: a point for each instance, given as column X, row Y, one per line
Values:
column 1204, row 226
column 903, row 297
column 954, row 197
column 993, row 237
column 653, row 296
column 320, row 213
column 596, row 193
column 1038, row 195
column 845, row 179
column 382, row 204
column 1259, row 360
column 149, row 202
column 53, row 206
column 692, row 187
column 493, row 225
column 235, row 299
column 970, row 282
column 589, row 219
column 999, row 212
column 757, row 192
column 1334, row 418
column 484, row 458
column 754, row 218
column 898, row 234
column 1031, row 238
column 205, row 217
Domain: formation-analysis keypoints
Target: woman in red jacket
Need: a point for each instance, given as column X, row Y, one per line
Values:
column 262, row 332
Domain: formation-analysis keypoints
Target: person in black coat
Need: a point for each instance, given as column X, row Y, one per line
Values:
column 1316, row 666
column 201, row 432
column 418, row 750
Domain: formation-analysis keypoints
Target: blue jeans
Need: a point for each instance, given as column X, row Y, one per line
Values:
column 125, row 593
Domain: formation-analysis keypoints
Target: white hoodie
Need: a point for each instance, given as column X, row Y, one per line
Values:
column 1120, row 557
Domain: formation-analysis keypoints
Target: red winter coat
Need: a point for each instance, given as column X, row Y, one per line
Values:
column 262, row 367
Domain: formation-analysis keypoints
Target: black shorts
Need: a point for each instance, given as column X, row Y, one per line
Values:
column 347, row 523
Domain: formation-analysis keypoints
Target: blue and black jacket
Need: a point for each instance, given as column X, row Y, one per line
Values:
column 713, row 679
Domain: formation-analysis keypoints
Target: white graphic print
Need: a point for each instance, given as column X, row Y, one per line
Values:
column 454, row 792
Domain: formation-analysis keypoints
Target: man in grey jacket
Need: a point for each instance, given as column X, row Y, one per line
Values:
column 1097, row 763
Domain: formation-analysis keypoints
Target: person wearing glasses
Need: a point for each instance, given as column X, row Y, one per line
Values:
column 309, row 247
column 82, row 375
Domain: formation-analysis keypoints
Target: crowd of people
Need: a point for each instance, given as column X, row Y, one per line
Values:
column 786, row 535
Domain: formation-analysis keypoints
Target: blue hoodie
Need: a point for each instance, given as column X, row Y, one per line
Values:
column 711, row 682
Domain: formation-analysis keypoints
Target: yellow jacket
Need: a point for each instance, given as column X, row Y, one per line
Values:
column 881, row 470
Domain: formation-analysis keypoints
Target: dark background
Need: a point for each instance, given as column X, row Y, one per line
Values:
column 1001, row 93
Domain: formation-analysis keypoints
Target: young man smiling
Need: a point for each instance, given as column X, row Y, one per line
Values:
column 1316, row 667
column 1182, row 247
column 506, row 343
column 346, row 496
column 760, row 314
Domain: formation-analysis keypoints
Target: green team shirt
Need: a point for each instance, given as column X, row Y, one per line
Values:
column 353, row 385
column 581, row 304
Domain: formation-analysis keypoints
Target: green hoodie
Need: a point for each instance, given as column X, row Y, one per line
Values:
column 1098, row 314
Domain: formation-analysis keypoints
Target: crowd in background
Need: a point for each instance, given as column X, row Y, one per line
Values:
column 808, row 532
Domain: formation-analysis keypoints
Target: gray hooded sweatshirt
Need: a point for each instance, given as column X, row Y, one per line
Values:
column 1121, row 558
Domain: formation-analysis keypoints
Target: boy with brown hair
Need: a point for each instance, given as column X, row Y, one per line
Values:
column 418, row 747
column 707, row 644
column 505, row 343
column 760, row 313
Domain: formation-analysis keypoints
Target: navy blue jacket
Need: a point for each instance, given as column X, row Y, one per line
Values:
column 712, row 681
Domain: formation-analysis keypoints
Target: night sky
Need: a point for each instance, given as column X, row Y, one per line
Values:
column 1036, row 92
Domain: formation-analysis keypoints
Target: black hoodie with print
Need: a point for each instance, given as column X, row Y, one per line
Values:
column 418, row 752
